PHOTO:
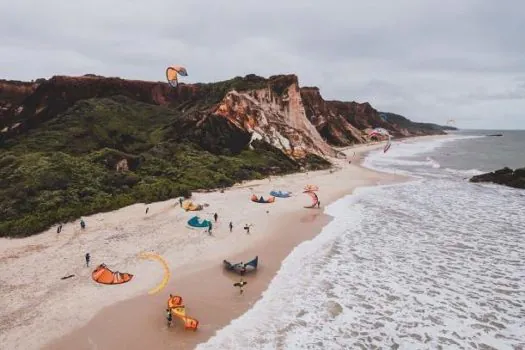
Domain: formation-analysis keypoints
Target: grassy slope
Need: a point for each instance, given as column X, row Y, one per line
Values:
column 65, row 168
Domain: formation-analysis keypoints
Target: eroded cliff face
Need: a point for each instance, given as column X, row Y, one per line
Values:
column 12, row 93
column 226, row 115
column 276, row 116
column 56, row 95
column 333, row 126
column 346, row 123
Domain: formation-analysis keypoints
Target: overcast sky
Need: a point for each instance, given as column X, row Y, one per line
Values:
column 430, row 60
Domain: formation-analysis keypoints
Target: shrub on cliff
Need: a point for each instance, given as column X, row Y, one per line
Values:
column 67, row 167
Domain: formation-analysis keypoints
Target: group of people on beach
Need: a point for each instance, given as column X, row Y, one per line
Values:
column 241, row 284
column 82, row 226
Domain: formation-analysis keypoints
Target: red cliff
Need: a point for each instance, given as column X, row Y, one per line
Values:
column 223, row 115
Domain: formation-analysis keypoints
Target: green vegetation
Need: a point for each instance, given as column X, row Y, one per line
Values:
column 66, row 167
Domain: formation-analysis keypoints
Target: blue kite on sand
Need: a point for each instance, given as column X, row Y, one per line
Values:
column 280, row 194
column 196, row 222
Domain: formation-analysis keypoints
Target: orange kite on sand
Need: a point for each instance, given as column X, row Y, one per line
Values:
column 178, row 309
column 102, row 274
column 256, row 199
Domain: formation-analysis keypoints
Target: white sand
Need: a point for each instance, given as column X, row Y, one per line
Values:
column 37, row 306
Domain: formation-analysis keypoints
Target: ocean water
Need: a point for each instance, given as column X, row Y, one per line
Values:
column 434, row 263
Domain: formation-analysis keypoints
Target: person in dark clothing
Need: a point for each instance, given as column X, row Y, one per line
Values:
column 247, row 228
column 88, row 257
column 210, row 227
column 180, row 201
column 231, row 226
column 215, row 216
column 169, row 317
column 82, row 224
column 59, row 228
column 241, row 285
column 147, row 209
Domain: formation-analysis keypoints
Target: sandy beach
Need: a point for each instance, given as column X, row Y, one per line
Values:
column 39, row 310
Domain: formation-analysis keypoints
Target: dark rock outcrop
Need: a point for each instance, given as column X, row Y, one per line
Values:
column 505, row 176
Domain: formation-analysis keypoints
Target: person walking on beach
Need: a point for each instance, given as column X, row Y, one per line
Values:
column 241, row 284
column 59, row 228
column 147, row 209
column 247, row 228
column 215, row 216
column 210, row 227
column 82, row 224
column 88, row 257
column 169, row 317
column 231, row 226
column 180, row 201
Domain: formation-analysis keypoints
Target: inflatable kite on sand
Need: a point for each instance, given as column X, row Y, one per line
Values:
column 241, row 268
column 172, row 73
column 378, row 131
column 167, row 273
column 196, row 222
column 190, row 206
column 309, row 188
column 254, row 198
column 382, row 132
column 314, row 197
column 280, row 194
column 178, row 309
column 102, row 274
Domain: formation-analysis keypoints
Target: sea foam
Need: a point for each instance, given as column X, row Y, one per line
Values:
column 436, row 262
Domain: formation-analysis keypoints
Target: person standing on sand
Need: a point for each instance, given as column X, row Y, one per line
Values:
column 82, row 224
column 88, row 257
column 215, row 216
column 241, row 284
column 180, row 201
column 231, row 226
column 247, row 228
column 59, row 228
column 147, row 209
column 210, row 226
column 169, row 317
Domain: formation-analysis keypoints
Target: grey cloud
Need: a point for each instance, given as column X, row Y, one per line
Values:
column 430, row 60
column 515, row 93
